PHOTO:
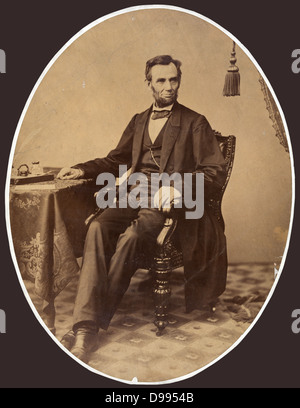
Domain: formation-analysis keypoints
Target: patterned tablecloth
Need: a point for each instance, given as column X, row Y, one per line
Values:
column 48, row 231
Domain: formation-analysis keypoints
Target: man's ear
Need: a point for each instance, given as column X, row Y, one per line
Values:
column 148, row 85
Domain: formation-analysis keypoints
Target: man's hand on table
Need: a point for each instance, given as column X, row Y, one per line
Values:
column 68, row 173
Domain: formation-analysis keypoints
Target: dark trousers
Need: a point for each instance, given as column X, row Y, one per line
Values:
column 114, row 241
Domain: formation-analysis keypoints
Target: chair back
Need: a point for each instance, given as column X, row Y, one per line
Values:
column 227, row 145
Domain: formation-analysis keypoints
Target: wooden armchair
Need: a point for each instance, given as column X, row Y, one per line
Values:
column 168, row 257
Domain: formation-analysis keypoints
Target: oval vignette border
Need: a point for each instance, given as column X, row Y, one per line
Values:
column 61, row 51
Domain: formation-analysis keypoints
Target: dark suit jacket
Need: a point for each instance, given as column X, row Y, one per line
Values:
column 189, row 146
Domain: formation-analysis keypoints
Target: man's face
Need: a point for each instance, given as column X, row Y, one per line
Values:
column 164, row 84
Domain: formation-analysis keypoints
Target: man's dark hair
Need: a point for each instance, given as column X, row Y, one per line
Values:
column 162, row 60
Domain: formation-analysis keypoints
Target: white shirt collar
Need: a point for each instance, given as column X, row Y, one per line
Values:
column 156, row 108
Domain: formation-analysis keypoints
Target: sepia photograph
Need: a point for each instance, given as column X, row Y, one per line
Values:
column 150, row 195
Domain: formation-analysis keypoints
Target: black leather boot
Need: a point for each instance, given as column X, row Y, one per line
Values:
column 86, row 340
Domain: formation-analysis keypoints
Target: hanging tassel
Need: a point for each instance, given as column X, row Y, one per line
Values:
column 232, row 79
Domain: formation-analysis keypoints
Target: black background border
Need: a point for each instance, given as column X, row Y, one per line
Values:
column 31, row 33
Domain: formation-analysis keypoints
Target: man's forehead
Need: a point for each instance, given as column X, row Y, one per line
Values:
column 164, row 71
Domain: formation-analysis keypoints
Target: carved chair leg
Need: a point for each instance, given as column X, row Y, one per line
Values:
column 161, row 292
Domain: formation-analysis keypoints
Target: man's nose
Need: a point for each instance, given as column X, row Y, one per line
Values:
column 168, row 85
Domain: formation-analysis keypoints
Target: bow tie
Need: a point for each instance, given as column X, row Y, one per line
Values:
column 160, row 114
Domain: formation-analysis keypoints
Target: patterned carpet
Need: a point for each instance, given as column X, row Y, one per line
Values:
column 130, row 348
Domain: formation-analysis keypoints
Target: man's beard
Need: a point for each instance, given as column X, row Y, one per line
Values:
column 161, row 102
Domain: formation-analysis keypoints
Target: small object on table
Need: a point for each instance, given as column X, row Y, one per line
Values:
column 23, row 170
column 36, row 168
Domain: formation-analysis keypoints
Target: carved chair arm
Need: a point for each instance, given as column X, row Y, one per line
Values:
column 167, row 231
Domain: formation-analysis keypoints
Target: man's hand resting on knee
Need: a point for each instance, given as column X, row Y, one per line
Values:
column 165, row 198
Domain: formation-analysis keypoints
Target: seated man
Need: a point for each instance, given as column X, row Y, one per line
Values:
column 166, row 138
